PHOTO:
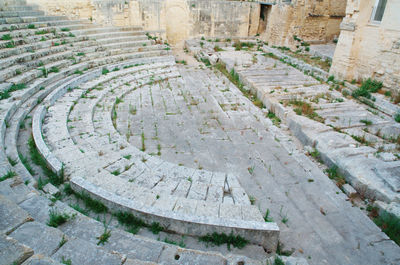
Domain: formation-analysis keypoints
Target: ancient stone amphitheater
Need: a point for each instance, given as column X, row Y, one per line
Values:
column 111, row 152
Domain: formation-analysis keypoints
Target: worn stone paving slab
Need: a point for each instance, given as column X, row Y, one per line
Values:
column 83, row 252
column 11, row 251
column 41, row 238
column 12, row 215
column 40, row 260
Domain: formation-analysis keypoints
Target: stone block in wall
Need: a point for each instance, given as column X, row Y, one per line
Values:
column 349, row 26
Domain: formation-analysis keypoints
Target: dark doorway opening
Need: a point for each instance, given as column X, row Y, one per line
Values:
column 265, row 10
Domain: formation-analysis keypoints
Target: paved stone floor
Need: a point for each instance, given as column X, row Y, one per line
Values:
column 323, row 50
column 209, row 124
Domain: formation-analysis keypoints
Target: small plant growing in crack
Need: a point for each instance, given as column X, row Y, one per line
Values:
column 251, row 169
column 116, row 172
column 103, row 238
column 56, row 218
column 267, row 217
column 252, row 199
column 284, row 218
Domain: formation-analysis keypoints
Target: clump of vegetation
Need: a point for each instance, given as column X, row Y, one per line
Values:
column 367, row 87
column 217, row 48
column 366, row 122
column 41, row 32
column 206, row 61
column 6, row 93
column 6, row 37
column 182, row 62
column 305, row 109
column 390, row 225
column 37, row 159
column 103, row 238
column 66, row 261
column 10, row 45
column 267, row 217
column 278, row 261
column 8, row 175
column 94, row 205
column 56, row 218
column 105, row 71
column 242, row 45
column 27, row 165
column 333, row 173
column 133, row 223
column 222, row 238
column 275, row 120
column 397, row 117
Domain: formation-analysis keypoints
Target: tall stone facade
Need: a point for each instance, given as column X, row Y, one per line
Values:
column 172, row 19
column 369, row 45
column 314, row 21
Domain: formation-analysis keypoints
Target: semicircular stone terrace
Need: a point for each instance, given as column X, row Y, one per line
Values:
column 99, row 161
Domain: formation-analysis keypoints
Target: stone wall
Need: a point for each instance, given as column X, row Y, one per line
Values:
column 367, row 49
column 314, row 21
column 174, row 19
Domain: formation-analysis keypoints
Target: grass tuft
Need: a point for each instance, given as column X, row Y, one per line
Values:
column 56, row 218
column 94, row 205
column 390, row 225
column 222, row 238
column 8, row 175
column 36, row 157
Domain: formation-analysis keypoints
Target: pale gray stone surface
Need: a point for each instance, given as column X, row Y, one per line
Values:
column 39, row 259
column 12, row 251
column 12, row 216
column 40, row 237
column 82, row 252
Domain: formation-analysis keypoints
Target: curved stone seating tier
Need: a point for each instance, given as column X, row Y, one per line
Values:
column 84, row 49
column 18, row 97
column 74, row 158
column 25, row 235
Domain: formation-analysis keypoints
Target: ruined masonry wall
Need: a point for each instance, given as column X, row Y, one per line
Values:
column 367, row 49
column 315, row 21
column 175, row 19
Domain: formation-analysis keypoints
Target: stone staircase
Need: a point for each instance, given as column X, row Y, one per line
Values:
column 58, row 72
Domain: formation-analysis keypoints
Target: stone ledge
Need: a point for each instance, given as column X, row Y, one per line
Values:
column 44, row 151
column 264, row 234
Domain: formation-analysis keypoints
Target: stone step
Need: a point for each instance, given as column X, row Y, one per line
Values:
column 85, row 253
column 35, row 73
column 12, row 20
column 41, row 238
column 81, row 229
column 15, row 190
column 39, row 259
column 98, row 30
column 20, row 8
column 116, row 34
column 30, row 48
column 12, row 216
column 44, row 63
column 24, row 13
column 6, row 3
column 132, row 41
column 27, row 57
column 12, row 252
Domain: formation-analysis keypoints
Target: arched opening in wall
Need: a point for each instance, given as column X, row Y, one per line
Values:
column 177, row 19
column 265, row 10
